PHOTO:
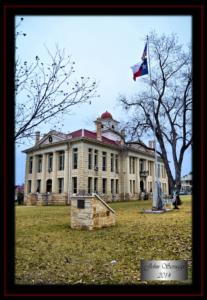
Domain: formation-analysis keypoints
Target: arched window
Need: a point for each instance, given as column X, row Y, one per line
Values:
column 49, row 186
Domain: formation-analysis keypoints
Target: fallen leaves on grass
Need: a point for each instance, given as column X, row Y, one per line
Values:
column 48, row 251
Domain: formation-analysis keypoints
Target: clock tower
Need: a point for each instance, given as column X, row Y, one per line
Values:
column 107, row 126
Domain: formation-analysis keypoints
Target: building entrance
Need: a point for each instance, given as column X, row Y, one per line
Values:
column 49, row 186
column 142, row 186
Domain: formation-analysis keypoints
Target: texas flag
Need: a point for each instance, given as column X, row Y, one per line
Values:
column 140, row 69
column 144, row 52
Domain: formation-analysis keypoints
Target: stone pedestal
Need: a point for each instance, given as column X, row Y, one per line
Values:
column 89, row 212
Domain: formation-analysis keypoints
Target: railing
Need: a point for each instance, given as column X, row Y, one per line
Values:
column 144, row 173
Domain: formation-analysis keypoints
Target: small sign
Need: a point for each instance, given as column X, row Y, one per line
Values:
column 80, row 203
column 164, row 270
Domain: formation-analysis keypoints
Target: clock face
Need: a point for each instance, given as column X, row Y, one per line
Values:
column 50, row 138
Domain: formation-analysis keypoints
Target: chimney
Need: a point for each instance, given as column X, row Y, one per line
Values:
column 151, row 144
column 37, row 136
column 98, row 129
column 123, row 136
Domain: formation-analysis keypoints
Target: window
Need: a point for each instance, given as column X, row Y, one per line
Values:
column 49, row 186
column 117, row 186
column 164, row 189
column 165, row 175
column 116, row 163
column 96, row 159
column 75, row 184
column 89, row 185
column 104, row 161
column 39, row 164
column 90, row 153
column 38, row 186
column 163, row 171
column 158, row 170
column 132, row 186
column 50, row 159
column 112, row 186
column 141, row 165
column 95, row 185
column 75, row 158
column 150, row 186
column 60, row 185
column 132, row 165
column 150, row 168
column 61, row 160
column 30, row 165
column 112, row 162
column 29, row 186
column 104, row 182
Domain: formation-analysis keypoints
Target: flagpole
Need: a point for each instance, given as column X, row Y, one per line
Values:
column 155, row 193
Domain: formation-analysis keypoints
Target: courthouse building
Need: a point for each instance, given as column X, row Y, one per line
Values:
column 61, row 165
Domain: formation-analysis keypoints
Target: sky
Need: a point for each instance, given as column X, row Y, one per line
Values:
column 103, row 48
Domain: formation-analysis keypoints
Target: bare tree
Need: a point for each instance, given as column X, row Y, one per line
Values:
column 169, row 108
column 46, row 90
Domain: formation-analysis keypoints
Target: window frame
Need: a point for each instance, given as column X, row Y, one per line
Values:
column 61, row 161
column 50, row 162
column 90, row 158
column 75, row 184
column 61, row 185
column 75, row 158
column 104, row 161
column 30, row 164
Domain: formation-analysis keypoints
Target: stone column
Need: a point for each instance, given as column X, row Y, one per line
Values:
column 153, row 175
column 34, row 171
column 66, row 171
column 126, row 179
column 26, row 175
column 44, row 166
column 138, row 177
column 54, row 173
column 69, row 191
column 147, row 177
column 108, row 173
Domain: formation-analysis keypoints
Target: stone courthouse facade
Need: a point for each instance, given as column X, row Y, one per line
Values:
column 83, row 162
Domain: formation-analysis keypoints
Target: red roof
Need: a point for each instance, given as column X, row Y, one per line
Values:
column 106, row 115
column 92, row 135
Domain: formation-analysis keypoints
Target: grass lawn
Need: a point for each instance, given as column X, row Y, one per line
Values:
column 48, row 251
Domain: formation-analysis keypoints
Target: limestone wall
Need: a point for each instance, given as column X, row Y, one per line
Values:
column 30, row 199
column 46, row 199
